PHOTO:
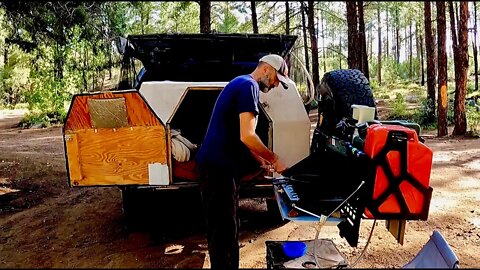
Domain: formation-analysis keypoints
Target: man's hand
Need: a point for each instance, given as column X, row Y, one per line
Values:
column 279, row 166
column 260, row 160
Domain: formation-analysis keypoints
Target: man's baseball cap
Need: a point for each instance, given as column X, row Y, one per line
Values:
column 278, row 63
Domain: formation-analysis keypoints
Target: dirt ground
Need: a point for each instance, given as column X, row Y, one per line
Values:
column 46, row 224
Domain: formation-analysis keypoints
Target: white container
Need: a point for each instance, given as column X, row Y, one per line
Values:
column 363, row 113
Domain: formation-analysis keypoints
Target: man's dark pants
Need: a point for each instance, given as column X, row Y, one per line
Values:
column 220, row 202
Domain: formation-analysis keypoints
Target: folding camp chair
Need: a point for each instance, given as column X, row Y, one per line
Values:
column 436, row 253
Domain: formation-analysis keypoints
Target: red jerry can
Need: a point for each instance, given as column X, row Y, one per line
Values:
column 402, row 166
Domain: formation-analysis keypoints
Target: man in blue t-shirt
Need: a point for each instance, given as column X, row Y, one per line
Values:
column 230, row 141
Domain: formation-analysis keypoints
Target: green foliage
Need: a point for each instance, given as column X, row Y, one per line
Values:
column 399, row 108
column 14, row 79
column 43, row 119
column 470, row 87
column 179, row 17
column 228, row 21
column 423, row 112
column 450, row 111
column 393, row 71
column 302, row 88
column 142, row 12
column 46, row 93
column 473, row 117
column 59, row 48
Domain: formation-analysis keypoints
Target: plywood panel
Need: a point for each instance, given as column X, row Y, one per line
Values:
column 78, row 117
column 138, row 112
column 71, row 144
column 119, row 157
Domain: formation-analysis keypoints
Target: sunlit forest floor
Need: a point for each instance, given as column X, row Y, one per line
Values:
column 46, row 224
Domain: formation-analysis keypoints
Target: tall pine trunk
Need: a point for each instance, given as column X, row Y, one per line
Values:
column 314, row 44
column 406, row 42
column 431, row 70
column 352, row 60
column 254, row 17
column 460, row 117
column 287, row 18
column 387, row 48
column 340, row 55
column 442, row 129
column 475, row 48
column 84, row 70
column 362, row 41
column 205, row 8
column 287, row 30
column 419, row 43
column 304, row 29
column 411, row 50
column 323, row 44
column 370, row 31
column 379, row 70
column 397, row 30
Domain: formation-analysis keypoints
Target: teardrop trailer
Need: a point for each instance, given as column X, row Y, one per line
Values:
column 350, row 170
column 127, row 138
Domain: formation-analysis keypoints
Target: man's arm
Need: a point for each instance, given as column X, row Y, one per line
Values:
column 253, row 142
column 261, row 160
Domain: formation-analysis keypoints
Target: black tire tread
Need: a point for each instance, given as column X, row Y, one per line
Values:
column 349, row 86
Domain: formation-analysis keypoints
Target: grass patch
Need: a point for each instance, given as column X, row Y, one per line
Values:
column 390, row 91
column 408, row 102
column 42, row 119
column 473, row 118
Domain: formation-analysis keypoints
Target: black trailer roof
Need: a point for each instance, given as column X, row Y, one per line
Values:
column 204, row 57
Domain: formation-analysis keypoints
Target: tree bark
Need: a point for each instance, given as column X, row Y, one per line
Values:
column 352, row 60
column 110, row 64
column 254, row 17
column 58, row 57
column 475, row 48
column 205, row 13
column 442, row 129
column 84, row 70
column 287, row 18
column 456, row 57
column 406, row 42
column 304, row 29
column 314, row 44
column 397, row 30
column 323, row 44
column 339, row 55
column 362, row 41
column 5, row 54
column 370, row 31
column 386, row 34
column 379, row 70
column 287, row 30
column 460, row 117
column 422, row 60
column 142, row 24
column 411, row 50
column 431, row 70
column 453, row 29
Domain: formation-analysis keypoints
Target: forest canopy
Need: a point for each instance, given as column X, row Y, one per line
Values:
column 53, row 50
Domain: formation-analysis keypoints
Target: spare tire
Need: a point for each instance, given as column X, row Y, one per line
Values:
column 339, row 90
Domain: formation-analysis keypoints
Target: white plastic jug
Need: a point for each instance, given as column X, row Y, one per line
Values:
column 363, row 113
